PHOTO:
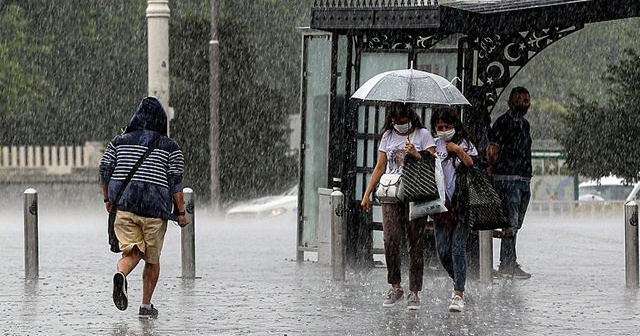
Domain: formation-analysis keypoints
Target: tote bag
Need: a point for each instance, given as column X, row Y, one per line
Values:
column 418, row 179
column 425, row 208
column 479, row 200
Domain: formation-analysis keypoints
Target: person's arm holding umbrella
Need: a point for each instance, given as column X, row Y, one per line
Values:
column 378, row 170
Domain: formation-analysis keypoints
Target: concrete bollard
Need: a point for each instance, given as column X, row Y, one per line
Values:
column 631, row 244
column 338, row 235
column 31, row 263
column 486, row 256
column 188, row 242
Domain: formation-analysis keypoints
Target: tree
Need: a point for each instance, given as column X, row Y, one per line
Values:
column 92, row 72
column 23, row 87
column 600, row 135
column 571, row 66
column 256, row 94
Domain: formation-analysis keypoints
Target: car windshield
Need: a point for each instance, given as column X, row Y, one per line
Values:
column 609, row 192
column 293, row 191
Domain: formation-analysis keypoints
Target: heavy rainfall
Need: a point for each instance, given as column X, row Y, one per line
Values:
column 72, row 73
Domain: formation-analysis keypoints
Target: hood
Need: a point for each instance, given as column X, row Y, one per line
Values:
column 149, row 116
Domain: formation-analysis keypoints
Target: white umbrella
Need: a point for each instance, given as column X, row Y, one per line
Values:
column 410, row 86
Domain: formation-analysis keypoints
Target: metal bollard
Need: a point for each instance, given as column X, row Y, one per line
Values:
column 188, row 242
column 338, row 235
column 631, row 244
column 486, row 256
column 31, row 263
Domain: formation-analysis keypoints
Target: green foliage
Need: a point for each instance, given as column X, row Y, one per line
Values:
column 545, row 116
column 600, row 136
column 259, row 78
column 572, row 66
column 75, row 70
column 96, row 67
column 23, row 87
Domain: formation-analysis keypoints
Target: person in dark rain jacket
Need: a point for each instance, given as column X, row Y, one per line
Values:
column 509, row 157
column 145, row 204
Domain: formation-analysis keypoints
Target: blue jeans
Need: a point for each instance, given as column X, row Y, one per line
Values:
column 515, row 195
column 451, row 243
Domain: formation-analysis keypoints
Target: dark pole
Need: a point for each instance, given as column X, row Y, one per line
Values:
column 214, row 99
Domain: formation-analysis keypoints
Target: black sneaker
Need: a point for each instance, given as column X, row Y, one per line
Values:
column 148, row 313
column 120, row 291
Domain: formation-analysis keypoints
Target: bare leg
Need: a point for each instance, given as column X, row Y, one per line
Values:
column 129, row 262
column 150, row 276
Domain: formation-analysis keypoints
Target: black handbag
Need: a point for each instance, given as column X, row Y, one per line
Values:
column 476, row 197
column 418, row 179
column 114, row 244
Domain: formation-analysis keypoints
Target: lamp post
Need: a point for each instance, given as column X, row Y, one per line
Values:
column 214, row 99
column 158, row 14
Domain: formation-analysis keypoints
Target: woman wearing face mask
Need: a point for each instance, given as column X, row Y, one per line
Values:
column 451, row 228
column 403, row 134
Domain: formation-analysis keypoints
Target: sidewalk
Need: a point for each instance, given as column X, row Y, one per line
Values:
column 249, row 284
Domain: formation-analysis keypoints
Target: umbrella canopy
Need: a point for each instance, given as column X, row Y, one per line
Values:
column 410, row 86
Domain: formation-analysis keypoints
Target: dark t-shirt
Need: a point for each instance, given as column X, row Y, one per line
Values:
column 513, row 137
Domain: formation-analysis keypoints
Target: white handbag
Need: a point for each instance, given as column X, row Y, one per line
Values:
column 388, row 186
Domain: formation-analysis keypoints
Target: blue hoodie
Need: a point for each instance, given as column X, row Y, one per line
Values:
column 149, row 193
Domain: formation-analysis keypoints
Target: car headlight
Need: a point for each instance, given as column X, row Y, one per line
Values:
column 278, row 211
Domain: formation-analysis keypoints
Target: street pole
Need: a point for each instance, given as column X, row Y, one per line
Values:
column 214, row 102
column 158, row 14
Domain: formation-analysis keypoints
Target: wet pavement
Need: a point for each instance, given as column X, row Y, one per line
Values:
column 249, row 284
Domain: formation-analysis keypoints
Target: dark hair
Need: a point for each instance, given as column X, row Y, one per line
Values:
column 401, row 110
column 450, row 116
column 516, row 91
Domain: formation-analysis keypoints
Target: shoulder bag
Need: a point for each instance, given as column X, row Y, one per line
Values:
column 113, row 239
column 418, row 179
column 477, row 198
column 388, row 186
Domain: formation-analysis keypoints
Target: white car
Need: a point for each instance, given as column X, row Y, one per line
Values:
column 267, row 206
column 609, row 188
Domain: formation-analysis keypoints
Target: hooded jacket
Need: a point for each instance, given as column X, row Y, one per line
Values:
column 149, row 193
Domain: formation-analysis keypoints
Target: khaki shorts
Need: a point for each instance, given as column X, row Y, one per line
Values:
column 145, row 233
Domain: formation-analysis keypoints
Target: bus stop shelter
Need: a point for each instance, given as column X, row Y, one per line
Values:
column 483, row 43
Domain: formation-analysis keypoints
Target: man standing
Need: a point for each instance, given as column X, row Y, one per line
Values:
column 509, row 159
column 146, row 200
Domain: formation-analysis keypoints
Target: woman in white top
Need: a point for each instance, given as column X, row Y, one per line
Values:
column 403, row 134
column 451, row 228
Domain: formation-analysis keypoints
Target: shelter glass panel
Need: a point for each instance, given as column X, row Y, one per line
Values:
column 439, row 63
column 316, row 125
column 373, row 63
column 343, row 58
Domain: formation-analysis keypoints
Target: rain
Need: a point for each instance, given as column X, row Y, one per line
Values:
column 73, row 71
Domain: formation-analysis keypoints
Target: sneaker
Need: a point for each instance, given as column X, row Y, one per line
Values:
column 457, row 304
column 120, row 291
column 147, row 312
column 413, row 301
column 393, row 295
column 516, row 273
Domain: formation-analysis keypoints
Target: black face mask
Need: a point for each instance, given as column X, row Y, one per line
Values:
column 520, row 111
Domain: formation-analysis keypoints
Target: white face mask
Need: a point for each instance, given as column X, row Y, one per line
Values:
column 402, row 128
column 446, row 135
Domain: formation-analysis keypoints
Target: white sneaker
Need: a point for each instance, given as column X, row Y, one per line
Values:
column 457, row 304
column 413, row 301
column 393, row 295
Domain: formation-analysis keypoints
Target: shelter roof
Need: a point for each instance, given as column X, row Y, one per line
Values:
column 466, row 17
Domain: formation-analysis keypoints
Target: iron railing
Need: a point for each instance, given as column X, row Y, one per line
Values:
column 373, row 3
